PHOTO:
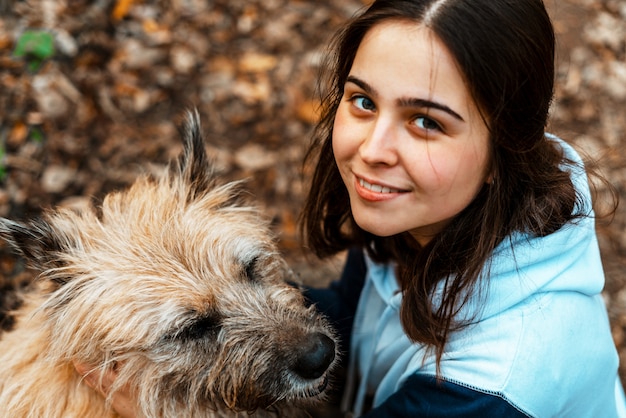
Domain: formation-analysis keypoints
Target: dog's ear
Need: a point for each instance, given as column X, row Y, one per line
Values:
column 194, row 166
column 36, row 240
column 198, row 171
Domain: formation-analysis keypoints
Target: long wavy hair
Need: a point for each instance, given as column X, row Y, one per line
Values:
column 505, row 51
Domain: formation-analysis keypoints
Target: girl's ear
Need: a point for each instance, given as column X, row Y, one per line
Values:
column 491, row 172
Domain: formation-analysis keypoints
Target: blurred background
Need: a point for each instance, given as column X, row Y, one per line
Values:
column 92, row 93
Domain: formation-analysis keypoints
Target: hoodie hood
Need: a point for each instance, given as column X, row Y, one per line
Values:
column 523, row 265
column 531, row 290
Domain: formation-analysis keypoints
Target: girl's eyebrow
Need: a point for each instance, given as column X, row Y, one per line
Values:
column 406, row 101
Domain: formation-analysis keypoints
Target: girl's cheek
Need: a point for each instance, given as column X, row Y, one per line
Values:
column 340, row 139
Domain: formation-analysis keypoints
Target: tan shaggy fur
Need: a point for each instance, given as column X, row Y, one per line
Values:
column 176, row 286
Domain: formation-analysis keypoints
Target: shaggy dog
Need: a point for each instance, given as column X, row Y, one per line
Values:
column 176, row 287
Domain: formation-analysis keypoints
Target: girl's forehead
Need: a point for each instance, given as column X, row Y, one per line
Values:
column 401, row 27
column 414, row 42
column 401, row 58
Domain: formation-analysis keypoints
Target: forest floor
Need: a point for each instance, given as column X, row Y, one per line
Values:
column 106, row 102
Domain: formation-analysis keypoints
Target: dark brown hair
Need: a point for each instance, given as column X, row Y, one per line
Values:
column 505, row 51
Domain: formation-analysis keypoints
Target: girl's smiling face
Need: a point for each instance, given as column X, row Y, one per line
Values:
column 409, row 141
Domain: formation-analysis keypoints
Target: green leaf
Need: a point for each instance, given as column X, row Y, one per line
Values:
column 33, row 65
column 36, row 135
column 35, row 47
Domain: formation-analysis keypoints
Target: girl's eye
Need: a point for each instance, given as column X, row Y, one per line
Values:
column 364, row 103
column 427, row 124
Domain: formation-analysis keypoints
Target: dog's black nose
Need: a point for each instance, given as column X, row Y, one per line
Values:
column 314, row 356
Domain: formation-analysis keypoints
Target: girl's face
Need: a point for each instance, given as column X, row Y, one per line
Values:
column 408, row 139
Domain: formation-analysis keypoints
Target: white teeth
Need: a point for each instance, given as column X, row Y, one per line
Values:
column 376, row 187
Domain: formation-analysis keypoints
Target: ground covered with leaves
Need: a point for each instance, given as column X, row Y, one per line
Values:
column 92, row 92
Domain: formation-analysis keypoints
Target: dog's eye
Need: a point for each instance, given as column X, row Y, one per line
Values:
column 203, row 326
column 249, row 269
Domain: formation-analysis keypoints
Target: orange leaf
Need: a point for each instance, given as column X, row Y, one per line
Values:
column 121, row 9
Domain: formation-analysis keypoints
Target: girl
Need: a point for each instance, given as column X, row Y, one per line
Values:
column 473, row 284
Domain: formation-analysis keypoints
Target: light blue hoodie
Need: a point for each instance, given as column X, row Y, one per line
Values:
column 540, row 340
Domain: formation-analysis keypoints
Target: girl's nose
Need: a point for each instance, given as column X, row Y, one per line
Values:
column 379, row 145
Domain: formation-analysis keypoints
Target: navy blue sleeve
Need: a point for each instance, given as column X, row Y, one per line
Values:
column 339, row 301
column 425, row 397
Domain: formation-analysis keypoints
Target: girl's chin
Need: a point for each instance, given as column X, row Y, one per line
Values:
column 381, row 227
column 377, row 227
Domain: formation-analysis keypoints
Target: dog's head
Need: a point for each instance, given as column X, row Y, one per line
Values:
column 177, row 285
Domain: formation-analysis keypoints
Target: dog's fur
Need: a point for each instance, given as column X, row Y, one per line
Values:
column 174, row 285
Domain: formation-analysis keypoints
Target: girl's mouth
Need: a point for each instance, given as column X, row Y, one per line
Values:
column 374, row 192
column 376, row 188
